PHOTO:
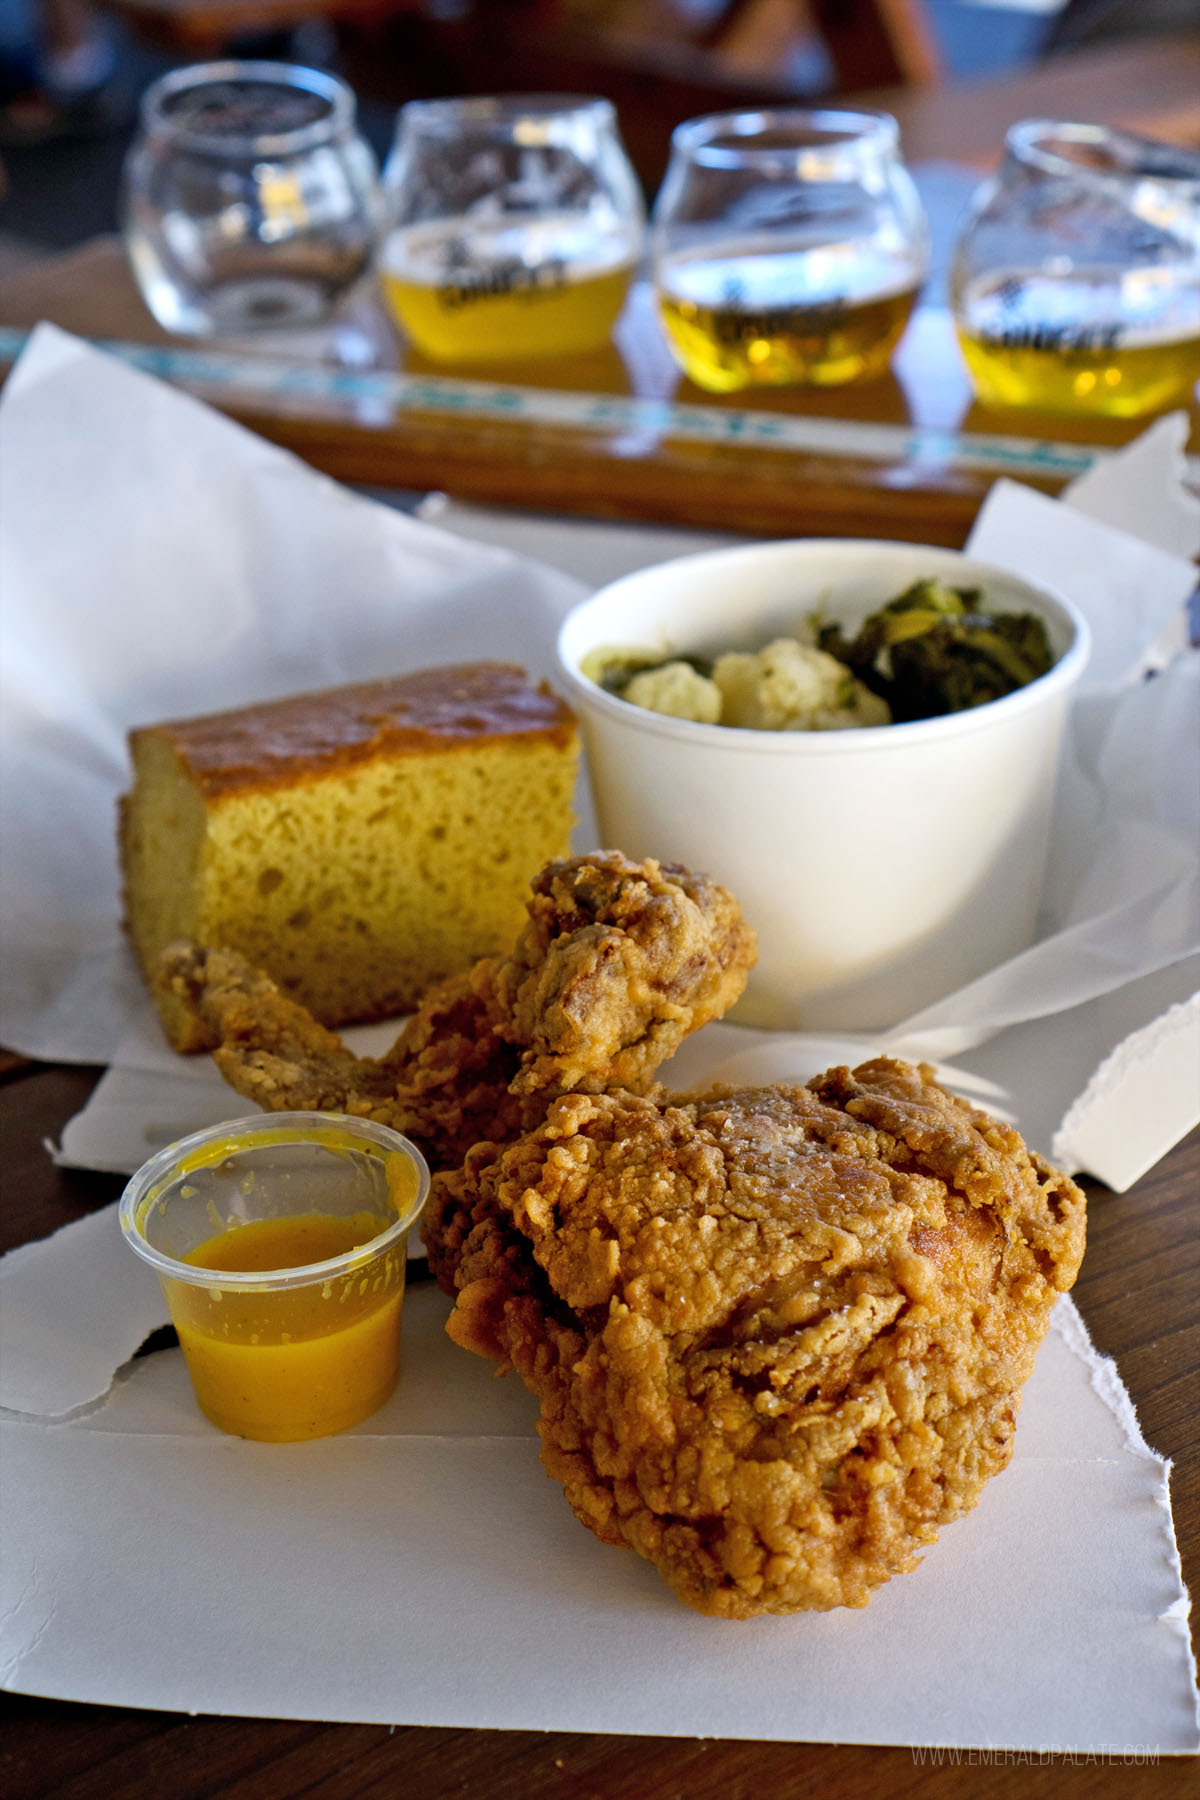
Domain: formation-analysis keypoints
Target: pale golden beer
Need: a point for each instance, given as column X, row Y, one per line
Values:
column 783, row 317
column 514, row 223
column 1079, row 344
column 552, row 289
column 1075, row 284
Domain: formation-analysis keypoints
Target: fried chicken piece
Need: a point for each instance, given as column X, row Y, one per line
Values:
column 778, row 1335
column 444, row 1083
column 618, row 962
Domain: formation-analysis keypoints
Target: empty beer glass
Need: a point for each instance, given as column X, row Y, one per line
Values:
column 249, row 198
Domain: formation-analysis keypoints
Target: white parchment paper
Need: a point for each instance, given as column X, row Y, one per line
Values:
column 154, row 561
column 422, row 1570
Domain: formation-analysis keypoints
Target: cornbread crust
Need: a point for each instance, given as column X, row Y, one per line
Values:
column 358, row 844
column 308, row 736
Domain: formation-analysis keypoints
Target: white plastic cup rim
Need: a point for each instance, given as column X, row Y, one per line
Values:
column 144, row 1187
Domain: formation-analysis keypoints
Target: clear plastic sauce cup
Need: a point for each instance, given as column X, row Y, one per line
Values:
column 281, row 1245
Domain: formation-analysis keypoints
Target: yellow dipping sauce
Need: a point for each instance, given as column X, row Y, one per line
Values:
column 286, row 1364
column 286, row 1243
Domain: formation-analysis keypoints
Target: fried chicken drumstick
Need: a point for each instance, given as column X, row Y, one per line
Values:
column 778, row 1336
column 617, row 963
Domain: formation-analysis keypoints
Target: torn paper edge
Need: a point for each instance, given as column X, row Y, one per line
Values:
column 94, row 1165
column 1097, row 1132
column 1159, row 453
column 1107, row 1384
column 108, row 1323
column 1105, row 1378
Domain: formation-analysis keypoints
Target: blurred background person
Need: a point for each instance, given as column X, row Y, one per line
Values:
column 57, row 70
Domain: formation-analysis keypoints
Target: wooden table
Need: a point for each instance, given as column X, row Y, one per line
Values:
column 1150, row 84
column 1140, row 1284
column 1138, row 1292
column 619, row 434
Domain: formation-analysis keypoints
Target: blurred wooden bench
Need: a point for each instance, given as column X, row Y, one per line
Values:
column 868, row 41
column 659, row 61
column 211, row 28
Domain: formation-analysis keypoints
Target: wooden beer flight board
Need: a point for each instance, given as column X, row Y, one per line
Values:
column 618, row 434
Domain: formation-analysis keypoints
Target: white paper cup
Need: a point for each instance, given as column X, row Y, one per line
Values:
column 881, row 867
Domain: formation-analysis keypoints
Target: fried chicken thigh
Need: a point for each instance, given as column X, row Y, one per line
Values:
column 778, row 1336
column 618, row 962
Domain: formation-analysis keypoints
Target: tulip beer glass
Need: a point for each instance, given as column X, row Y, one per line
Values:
column 789, row 248
column 1076, row 282
column 513, row 226
column 249, row 199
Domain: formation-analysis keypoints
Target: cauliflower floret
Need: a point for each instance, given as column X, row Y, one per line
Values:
column 678, row 690
column 790, row 686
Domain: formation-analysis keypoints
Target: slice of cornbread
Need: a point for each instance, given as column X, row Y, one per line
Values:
column 357, row 844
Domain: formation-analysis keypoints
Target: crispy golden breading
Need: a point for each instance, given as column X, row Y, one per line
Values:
column 444, row 1083
column 778, row 1336
column 617, row 963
